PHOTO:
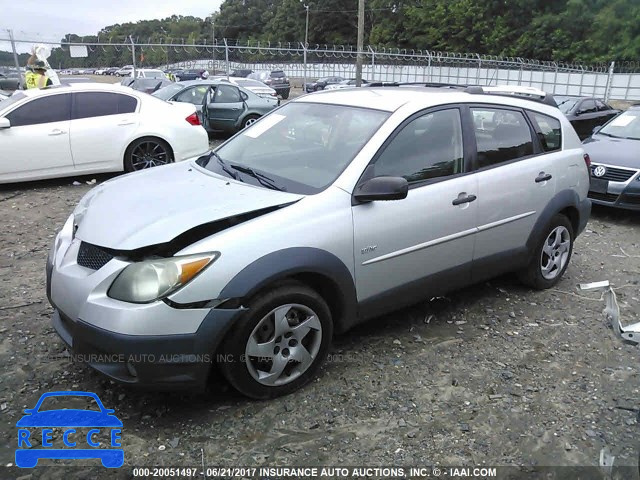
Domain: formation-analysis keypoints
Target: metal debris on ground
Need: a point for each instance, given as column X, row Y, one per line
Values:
column 629, row 333
column 606, row 462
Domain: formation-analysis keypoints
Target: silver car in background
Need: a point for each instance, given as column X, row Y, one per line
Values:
column 333, row 209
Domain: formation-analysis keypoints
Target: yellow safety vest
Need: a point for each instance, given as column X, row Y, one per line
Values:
column 35, row 80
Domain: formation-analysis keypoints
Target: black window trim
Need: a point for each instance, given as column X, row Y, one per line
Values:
column 466, row 147
column 537, row 147
column 536, row 127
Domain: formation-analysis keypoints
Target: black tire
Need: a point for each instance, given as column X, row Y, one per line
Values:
column 235, row 365
column 317, row 88
column 285, row 94
column 533, row 275
column 249, row 119
column 131, row 163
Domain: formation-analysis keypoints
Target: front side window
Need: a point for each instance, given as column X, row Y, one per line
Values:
column 301, row 147
column 501, row 136
column 49, row 109
column 588, row 106
column 429, row 146
column 549, row 131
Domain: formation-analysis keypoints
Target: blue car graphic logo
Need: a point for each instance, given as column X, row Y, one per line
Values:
column 69, row 420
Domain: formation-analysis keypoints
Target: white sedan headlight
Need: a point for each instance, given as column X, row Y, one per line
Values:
column 151, row 280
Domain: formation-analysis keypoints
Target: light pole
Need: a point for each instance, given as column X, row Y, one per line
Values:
column 306, row 44
column 360, row 42
column 213, row 42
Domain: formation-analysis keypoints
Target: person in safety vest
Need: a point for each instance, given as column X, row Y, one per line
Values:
column 35, row 77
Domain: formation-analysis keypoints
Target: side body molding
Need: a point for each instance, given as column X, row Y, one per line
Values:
column 312, row 263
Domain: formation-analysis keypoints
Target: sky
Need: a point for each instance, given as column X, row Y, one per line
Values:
column 50, row 20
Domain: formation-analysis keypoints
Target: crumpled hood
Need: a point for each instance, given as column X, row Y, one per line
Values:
column 155, row 206
column 621, row 152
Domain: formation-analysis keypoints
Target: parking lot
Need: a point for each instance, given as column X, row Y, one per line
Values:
column 493, row 374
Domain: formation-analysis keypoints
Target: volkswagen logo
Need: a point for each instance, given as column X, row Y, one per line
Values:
column 599, row 171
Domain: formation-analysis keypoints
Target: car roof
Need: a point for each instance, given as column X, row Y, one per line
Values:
column 81, row 86
column 391, row 99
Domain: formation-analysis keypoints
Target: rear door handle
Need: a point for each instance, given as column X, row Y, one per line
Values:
column 126, row 122
column 543, row 177
column 56, row 131
column 461, row 200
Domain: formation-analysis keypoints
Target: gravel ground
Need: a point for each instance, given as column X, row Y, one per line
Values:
column 495, row 374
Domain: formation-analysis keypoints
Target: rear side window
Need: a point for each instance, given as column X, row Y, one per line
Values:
column 501, row 136
column 100, row 104
column 588, row 106
column 548, row 130
column 49, row 109
column 227, row 94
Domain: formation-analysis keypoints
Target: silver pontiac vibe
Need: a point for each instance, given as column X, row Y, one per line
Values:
column 336, row 207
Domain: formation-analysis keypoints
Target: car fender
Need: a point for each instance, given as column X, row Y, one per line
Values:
column 298, row 261
column 562, row 200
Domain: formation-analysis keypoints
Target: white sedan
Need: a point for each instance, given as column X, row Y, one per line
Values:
column 88, row 128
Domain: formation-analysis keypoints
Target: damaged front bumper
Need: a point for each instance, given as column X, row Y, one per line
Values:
column 629, row 333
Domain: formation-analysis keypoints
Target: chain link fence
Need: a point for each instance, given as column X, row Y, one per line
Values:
column 610, row 81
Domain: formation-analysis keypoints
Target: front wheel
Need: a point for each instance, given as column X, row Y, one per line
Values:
column 147, row 152
column 551, row 257
column 279, row 344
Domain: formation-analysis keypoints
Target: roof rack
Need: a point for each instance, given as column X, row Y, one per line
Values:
column 530, row 93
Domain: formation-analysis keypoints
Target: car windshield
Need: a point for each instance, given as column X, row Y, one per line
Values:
column 565, row 104
column 165, row 93
column 278, row 74
column 625, row 125
column 249, row 83
column 300, row 148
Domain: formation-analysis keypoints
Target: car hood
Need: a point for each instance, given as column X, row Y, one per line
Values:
column 621, row 152
column 157, row 205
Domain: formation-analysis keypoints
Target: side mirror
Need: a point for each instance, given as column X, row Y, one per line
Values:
column 382, row 188
column 5, row 123
column 597, row 129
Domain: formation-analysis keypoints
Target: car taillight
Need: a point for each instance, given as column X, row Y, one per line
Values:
column 193, row 119
column 587, row 162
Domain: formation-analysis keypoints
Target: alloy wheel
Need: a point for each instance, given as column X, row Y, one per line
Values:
column 555, row 252
column 149, row 154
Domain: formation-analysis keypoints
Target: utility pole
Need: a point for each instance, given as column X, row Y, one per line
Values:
column 360, row 42
column 306, row 44
column 133, row 55
column 213, row 42
column 15, row 58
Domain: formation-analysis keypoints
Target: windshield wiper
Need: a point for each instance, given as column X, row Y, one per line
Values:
column 225, row 167
column 262, row 179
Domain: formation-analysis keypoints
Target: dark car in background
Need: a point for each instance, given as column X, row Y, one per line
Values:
column 614, row 150
column 9, row 79
column 190, row 74
column 241, row 73
column 321, row 83
column 585, row 113
column 275, row 79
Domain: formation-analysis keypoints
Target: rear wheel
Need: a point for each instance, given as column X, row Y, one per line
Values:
column 279, row 344
column 250, row 120
column 285, row 94
column 551, row 257
column 147, row 152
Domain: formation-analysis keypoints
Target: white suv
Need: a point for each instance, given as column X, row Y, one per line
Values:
column 336, row 207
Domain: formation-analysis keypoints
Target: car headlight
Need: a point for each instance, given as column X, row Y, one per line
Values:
column 147, row 281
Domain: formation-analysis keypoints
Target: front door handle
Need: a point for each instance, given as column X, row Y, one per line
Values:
column 465, row 199
column 543, row 177
column 126, row 122
column 56, row 131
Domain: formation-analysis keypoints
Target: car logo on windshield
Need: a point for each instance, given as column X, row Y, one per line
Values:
column 599, row 171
